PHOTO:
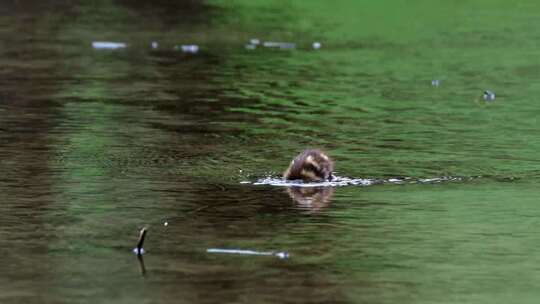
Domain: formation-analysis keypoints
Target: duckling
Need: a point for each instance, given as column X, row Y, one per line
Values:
column 311, row 165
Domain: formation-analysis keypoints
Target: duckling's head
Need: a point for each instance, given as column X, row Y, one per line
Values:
column 311, row 165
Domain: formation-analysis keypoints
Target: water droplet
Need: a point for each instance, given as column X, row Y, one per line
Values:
column 138, row 251
column 488, row 95
column 188, row 48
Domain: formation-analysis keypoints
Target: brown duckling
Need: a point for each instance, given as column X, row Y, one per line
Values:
column 311, row 165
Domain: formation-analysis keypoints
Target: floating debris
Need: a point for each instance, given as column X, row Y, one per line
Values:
column 488, row 95
column 166, row 224
column 188, row 48
column 316, row 45
column 435, row 82
column 254, row 41
column 279, row 45
column 107, row 45
column 279, row 254
column 154, row 45
column 139, row 249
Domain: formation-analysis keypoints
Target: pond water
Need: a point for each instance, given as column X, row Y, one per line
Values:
column 185, row 125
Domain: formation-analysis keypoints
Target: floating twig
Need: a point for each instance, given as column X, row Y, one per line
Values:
column 279, row 254
column 108, row 45
column 139, row 249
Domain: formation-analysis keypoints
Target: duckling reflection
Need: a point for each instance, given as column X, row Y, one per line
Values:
column 311, row 198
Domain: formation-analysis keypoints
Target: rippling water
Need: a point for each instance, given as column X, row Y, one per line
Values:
column 437, row 196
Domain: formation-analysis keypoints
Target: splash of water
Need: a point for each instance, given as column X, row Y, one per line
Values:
column 339, row 181
column 335, row 182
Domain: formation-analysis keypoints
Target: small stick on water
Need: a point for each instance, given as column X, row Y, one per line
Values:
column 280, row 254
column 139, row 249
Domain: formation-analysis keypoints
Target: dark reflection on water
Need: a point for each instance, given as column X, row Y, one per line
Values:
column 141, row 264
column 313, row 198
column 95, row 144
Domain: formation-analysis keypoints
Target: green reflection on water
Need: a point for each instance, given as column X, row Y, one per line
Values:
column 368, row 89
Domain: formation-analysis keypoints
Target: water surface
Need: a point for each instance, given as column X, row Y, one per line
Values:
column 95, row 144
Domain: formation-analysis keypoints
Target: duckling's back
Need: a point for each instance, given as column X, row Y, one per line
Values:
column 310, row 165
